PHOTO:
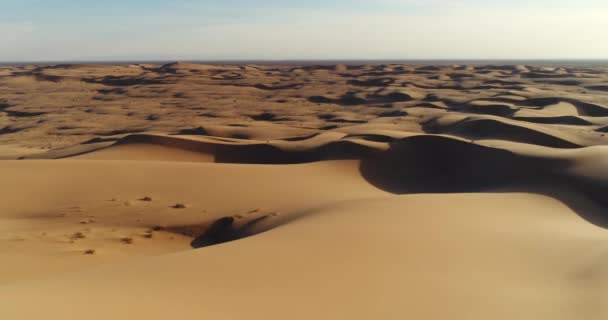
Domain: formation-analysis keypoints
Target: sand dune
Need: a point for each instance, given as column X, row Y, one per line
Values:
column 299, row 192
column 461, row 258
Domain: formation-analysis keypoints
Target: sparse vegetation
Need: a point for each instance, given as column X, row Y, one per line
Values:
column 77, row 235
column 153, row 117
column 126, row 240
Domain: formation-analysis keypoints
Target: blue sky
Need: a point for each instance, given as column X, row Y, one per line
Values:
column 314, row 29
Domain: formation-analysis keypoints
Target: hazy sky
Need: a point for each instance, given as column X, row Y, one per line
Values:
column 302, row 29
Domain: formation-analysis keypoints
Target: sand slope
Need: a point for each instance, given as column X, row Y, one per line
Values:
column 390, row 258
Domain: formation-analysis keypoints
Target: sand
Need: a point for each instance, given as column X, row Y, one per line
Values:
column 303, row 192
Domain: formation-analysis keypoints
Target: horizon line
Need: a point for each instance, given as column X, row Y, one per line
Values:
column 332, row 60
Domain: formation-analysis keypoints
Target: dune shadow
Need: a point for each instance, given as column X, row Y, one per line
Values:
column 224, row 230
column 495, row 129
column 374, row 82
column 435, row 164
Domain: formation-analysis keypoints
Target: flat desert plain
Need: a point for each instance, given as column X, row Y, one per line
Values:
column 191, row 191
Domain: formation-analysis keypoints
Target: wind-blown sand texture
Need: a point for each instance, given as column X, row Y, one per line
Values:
column 303, row 192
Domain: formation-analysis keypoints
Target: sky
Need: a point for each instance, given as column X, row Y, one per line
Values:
column 86, row 30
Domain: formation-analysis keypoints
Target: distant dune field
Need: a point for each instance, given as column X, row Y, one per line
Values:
column 303, row 192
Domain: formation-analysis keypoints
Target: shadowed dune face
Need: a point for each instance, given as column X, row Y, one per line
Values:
column 427, row 164
column 495, row 128
column 435, row 164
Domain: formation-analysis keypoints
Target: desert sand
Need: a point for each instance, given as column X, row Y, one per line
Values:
column 303, row 192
